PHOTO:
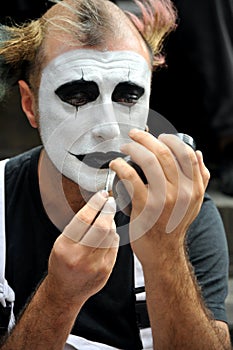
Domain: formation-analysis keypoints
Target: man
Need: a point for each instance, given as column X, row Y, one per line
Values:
column 84, row 73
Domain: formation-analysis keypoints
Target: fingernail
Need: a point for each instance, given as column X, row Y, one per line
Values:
column 133, row 131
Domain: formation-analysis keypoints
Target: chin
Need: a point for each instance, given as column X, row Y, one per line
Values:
column 88, row 178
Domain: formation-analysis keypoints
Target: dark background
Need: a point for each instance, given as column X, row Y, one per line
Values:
column 16, row 134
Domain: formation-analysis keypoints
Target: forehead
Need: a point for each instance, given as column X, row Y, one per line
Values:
column 97, row 66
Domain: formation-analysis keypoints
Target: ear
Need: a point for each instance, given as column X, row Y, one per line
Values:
column 28, row 102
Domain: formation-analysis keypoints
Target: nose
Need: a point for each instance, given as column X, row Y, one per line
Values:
column 106, row 131
column 108, row 127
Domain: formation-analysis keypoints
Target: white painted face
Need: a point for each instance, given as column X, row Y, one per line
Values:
column 88, row 102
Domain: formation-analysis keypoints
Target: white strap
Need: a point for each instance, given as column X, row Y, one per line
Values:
column 2, row 221
column 6, row 292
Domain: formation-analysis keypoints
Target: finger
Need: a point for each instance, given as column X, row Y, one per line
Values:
column 102, row 229
column 131, row 180
column 142, row 196
column 137, row 190
column 186, row 194
column 82, row 221
column 149, row 163
column 160, row 150
column 204, row 171
column 111, row 240
column 184, row 155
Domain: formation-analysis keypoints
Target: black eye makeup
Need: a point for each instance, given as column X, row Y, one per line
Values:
column 127, row 93
column 78, row 92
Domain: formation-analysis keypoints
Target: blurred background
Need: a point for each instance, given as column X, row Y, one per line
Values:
column 16, row 134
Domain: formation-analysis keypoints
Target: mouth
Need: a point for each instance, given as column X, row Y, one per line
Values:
column 99, row 160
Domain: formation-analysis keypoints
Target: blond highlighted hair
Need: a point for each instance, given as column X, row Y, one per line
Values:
column 22, row 50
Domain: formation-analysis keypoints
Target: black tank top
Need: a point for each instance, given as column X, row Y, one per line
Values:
column 109, row 316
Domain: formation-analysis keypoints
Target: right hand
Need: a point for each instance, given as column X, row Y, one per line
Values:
column 83, row 256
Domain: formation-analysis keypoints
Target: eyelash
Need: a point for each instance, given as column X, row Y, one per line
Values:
column 128, row 101
column 78, row 101
column 75, row 100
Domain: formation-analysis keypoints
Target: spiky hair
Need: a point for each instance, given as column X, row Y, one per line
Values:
column 157, row 20
column 88, row 21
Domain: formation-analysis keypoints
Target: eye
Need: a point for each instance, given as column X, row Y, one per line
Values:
column 78, row 93
column 127, row 100
column 79, row 99
column 127, row 93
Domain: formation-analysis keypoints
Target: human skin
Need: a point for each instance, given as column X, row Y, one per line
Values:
column 83, row 267
column 77, row 271
column 171, row 287
column 93, row 99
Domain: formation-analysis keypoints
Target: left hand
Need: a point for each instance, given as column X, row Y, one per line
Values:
column 162, row 210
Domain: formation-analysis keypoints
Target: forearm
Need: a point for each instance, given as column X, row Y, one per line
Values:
column 45, row 324
column 178, row 316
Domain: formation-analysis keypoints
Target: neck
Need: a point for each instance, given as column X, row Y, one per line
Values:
column 61, row 197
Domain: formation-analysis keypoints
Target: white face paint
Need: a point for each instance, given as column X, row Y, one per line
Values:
column 88, row 102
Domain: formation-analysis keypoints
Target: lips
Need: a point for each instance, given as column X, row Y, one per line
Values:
column 99, row 160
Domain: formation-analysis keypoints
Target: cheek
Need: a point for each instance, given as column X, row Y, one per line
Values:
column 136, row 117
column 62, row 124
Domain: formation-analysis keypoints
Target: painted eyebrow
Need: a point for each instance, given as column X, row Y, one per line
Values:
column 69, row 89
column 127, row 87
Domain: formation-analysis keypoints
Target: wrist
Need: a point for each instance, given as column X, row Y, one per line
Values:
column 58, row 299
column 166, row 263
column 163, row 253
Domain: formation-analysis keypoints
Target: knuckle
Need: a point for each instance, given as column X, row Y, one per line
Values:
column 64, row 256
column 58, row 247
column 198, row 194
column 164, row 152
column 98, row 271
column 104, row 269
column 81, row 216
column 192, row 194
column 72, row 263
column 170, row 200
column 102, row 225
column 206, row 175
